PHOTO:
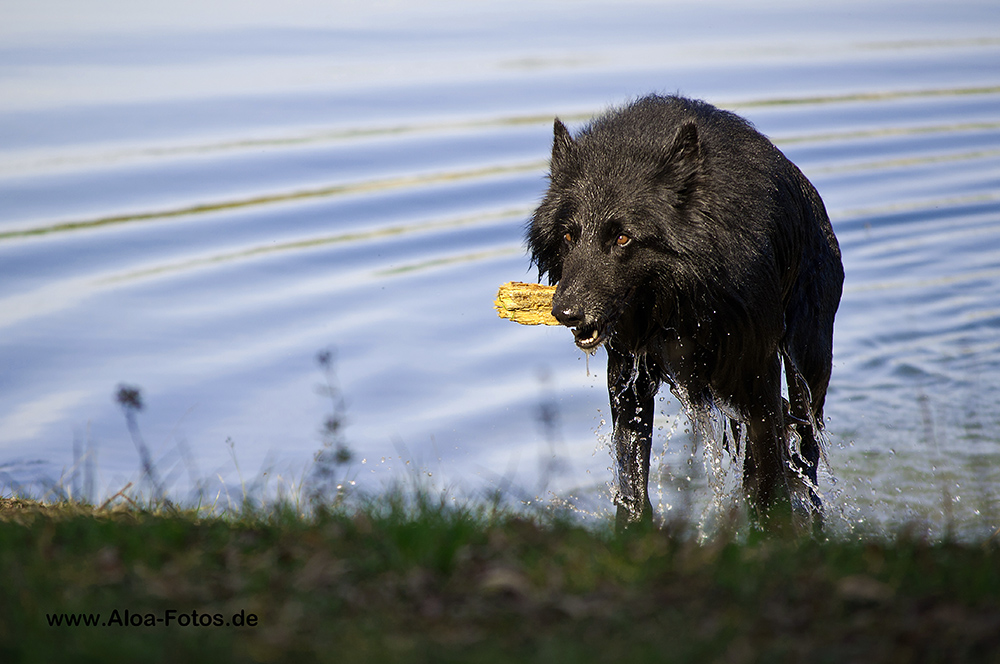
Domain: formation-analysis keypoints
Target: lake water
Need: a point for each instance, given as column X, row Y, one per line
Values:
column 198, row 198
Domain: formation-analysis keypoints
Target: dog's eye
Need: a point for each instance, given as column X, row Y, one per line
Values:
column 623, row 240
column 568, row 237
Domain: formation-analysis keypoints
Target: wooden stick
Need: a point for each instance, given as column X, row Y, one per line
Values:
column 527, row 304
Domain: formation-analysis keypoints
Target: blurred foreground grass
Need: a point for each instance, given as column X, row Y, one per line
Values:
column 423, row 580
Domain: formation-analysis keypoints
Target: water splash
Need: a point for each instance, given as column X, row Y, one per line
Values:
column 719, row 436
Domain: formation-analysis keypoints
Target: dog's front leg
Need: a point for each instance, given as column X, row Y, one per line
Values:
column 632, row 390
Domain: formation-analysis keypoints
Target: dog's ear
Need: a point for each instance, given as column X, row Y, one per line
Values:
column 681, row 162
column 686, row 146
column 562, row 143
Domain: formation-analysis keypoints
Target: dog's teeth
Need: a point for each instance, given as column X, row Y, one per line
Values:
column 590, row 340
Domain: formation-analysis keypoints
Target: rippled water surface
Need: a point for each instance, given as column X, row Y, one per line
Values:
column 197, row 202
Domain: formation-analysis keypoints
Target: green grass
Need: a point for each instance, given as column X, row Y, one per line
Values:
column 424, row 580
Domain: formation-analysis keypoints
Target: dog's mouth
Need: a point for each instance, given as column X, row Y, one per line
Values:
column 589, row 337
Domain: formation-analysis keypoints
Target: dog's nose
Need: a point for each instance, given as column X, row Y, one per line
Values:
column 570, row 316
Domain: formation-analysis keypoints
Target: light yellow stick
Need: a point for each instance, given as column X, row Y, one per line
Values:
column 527, row 304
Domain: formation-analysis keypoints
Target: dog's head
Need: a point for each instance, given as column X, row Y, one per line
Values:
column 613, row 218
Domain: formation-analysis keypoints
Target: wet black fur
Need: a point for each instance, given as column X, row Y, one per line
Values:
column 689, row 246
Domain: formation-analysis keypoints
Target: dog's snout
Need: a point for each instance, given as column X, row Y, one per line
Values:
column 568, row 312
column 568, row 316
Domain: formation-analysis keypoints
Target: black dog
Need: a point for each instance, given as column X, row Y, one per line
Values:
column 689, row 246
